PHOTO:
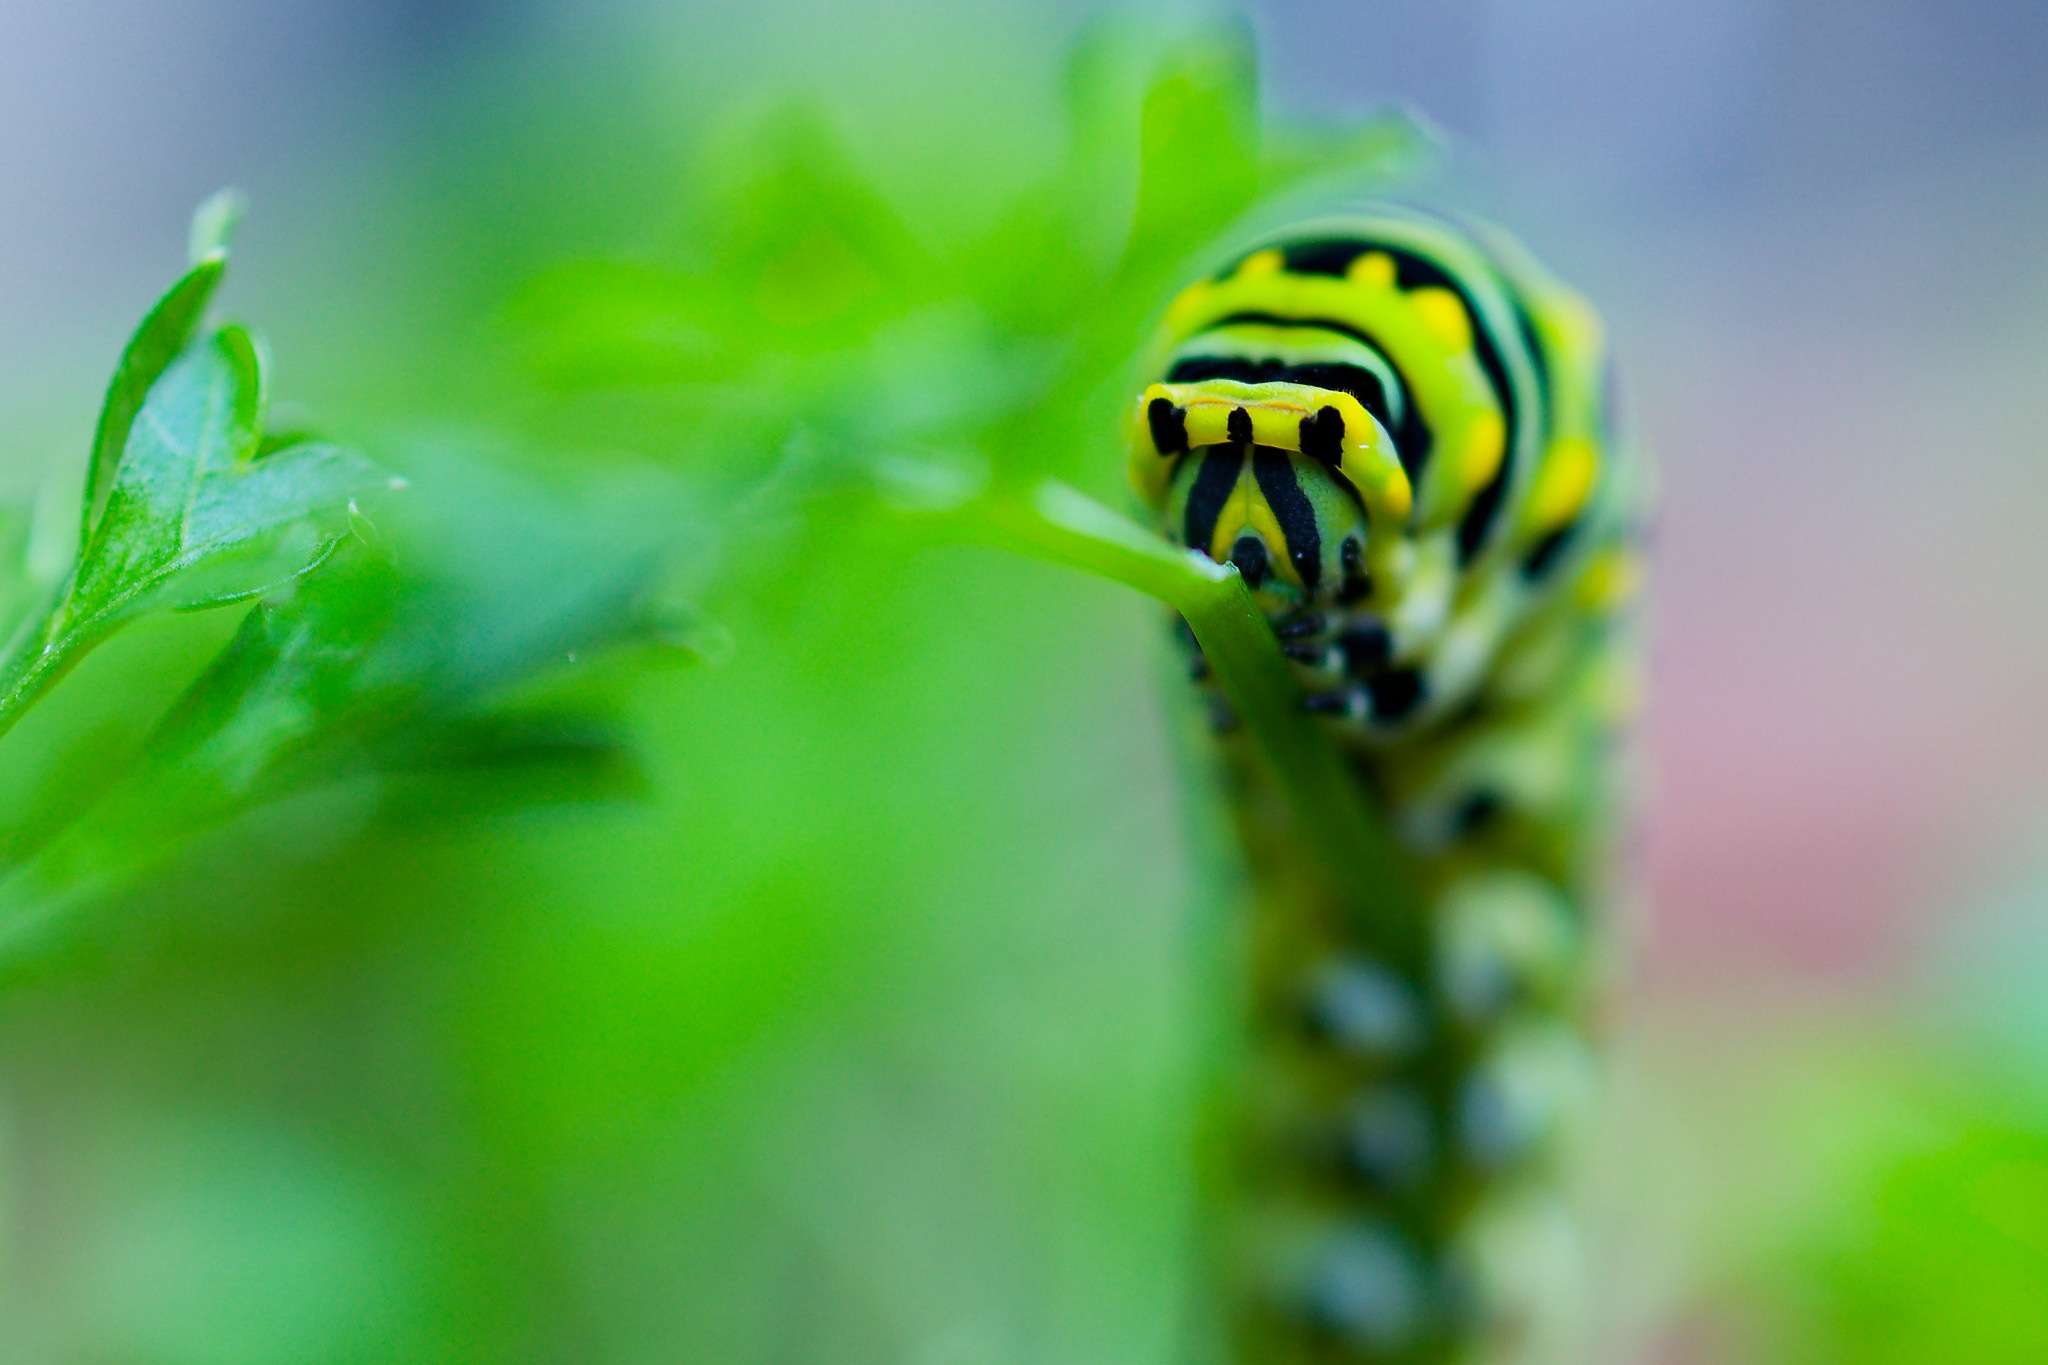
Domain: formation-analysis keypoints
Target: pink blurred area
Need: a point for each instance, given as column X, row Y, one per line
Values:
column 1850, row 654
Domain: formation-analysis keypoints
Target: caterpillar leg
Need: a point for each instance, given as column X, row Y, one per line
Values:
column 1405, row 1130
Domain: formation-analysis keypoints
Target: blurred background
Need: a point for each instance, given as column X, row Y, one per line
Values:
column 864, row 1032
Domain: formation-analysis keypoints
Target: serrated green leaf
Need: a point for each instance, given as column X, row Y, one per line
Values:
column 188, row 491
column 477, row 679
column 192, row 518
column 161, row 338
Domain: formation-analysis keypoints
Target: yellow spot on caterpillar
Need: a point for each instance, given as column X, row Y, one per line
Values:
column 1444, row 315
column 1374, row 270
column 1609, row 581
column 1267, row 262
column 1399, row 494
column 1209, row 424
column 1562, row 484
column 1484, row 446
column 1572, row 327
column 1189, row 302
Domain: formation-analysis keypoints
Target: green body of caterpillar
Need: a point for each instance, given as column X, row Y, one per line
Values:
column 1397, row 427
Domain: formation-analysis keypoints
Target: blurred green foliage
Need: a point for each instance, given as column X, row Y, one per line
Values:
column 642, row 891
column 1947, row 1259
column 1886, row 1201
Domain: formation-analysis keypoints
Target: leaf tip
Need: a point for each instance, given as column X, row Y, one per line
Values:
column 213, row 225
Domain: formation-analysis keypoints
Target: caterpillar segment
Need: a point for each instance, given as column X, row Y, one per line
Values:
column 1397, row 427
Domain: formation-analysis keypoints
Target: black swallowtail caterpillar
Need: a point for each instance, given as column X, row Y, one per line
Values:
column 1398, row 427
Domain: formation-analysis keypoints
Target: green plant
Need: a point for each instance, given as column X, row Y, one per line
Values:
column 342, row 665
column 797, row 422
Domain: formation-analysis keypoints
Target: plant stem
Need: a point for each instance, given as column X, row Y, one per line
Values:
column 40, row 653
column 1361, row 861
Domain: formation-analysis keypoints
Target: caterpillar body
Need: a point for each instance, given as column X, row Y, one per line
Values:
column 1398, row 427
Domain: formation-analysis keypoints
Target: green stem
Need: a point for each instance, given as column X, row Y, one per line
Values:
column 41, row 652
column 1360, row 859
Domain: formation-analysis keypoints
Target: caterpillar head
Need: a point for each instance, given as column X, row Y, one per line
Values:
column 1294, row 529
column 1284, row 480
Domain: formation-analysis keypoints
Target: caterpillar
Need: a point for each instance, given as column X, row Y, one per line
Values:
column 1400, row 429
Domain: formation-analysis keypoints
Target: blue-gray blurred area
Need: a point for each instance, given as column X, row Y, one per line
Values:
column 1694, row 108
column 1815, row 228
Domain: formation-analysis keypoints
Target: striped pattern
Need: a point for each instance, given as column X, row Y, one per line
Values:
column 1396, row 426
